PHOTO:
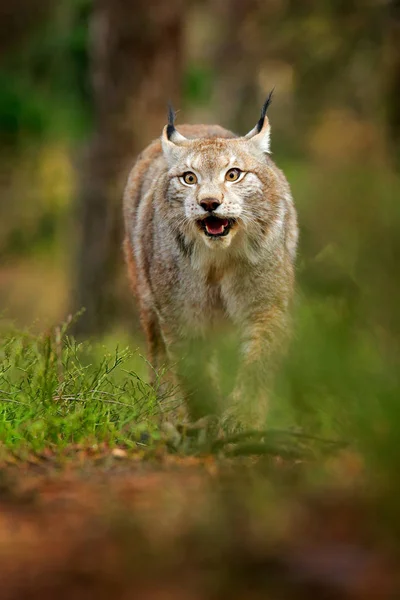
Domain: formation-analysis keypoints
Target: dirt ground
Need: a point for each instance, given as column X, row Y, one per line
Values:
column 116, row 525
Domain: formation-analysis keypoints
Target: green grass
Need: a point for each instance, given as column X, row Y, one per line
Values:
column 337, row 384
column 56, row 391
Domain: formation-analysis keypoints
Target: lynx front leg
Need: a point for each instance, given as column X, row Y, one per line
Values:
column 263, row 338
column 156, row 351
column 192, row 362
column 161, row 374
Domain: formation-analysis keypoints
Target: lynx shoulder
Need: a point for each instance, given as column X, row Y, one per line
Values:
column 210, row 245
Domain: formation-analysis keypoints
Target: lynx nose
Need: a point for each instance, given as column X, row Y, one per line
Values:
column 210, row 204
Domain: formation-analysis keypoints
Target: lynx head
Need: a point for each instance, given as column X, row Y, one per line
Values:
column 218, row 187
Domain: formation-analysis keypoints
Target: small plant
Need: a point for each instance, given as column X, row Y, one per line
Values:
column 55, row 390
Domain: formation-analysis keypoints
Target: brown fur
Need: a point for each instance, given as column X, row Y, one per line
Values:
column 190, row 286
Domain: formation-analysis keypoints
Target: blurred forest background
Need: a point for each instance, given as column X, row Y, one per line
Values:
column 84, row 87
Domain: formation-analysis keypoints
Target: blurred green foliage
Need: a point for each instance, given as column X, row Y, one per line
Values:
column 44, row 82
column 198, row 83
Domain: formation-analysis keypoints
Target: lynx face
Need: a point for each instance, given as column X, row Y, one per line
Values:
column 217, row 187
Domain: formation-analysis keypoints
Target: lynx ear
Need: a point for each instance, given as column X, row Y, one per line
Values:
column 260, row 134
column 171, row 139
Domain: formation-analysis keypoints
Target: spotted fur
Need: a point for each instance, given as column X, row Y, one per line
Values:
column 189, row 286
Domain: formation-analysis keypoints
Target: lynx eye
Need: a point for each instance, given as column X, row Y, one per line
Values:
column 233, row 174
column 189, row 178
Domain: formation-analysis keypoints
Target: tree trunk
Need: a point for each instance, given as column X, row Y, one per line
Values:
column 237, row 59
column 136, row 69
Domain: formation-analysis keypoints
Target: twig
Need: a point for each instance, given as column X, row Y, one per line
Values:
column 76, row 399
column 13, row 401
column 258, row 448
column 257, row 435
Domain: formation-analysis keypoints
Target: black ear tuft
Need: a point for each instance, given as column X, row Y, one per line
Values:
column 171, row 121
column 264, row 111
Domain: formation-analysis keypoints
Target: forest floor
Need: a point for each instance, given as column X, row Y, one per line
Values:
column 110, row 523
column 94, row 503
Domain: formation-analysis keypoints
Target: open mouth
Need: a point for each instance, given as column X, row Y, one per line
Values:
column 216, row 227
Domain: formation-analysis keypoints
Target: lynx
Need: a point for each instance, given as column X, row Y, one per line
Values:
column 210, row 245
